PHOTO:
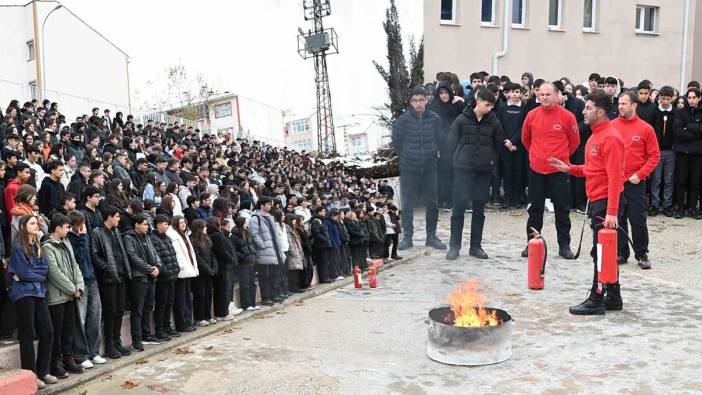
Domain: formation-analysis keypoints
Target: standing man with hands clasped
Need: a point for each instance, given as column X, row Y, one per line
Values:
column 640, row 159
column 603, row 171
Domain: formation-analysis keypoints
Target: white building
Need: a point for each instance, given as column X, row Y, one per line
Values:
column 246, row 118
column 49, row 52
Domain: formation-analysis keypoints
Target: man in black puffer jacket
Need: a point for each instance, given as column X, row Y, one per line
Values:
column 687, row 131
column 415, row 137
column 477, row 135
column 165, row 282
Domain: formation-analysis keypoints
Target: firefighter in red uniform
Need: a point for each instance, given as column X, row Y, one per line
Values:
column 603, row 171
column 641, row 158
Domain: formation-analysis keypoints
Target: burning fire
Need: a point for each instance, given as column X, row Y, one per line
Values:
column 468, row 306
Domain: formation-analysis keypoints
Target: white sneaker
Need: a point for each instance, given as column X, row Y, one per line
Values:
column 49, row 379
column 228, row 317
column 257, row 307
column 99, row 360
column 213, row 321
column 86, row 364
column 340, row 278
column 236, row 311
column 250, row 308
column 40, row 384
column 202, row 323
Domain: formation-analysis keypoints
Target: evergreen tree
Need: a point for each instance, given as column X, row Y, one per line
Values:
column 416, row 63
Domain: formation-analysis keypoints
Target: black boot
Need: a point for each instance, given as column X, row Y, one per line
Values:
column 593, row 305
column 452, row 254
column 434, row 242
column 70, row 365
column 613, row 298
column 57, row 370
column 110, row 350
column 405, row 243
column 644, row 263
column 565, row 252
column 477, row 252
column 120, row 348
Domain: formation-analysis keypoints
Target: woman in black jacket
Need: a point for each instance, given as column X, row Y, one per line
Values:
column 207, row 267
column 226, row 262
column 247, row 258
column 322, row 245
column 356, row 238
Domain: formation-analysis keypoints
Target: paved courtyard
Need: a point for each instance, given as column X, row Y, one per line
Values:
column 367, row 341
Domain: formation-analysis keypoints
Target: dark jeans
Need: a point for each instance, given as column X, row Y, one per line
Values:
column 222, row 286
column 597, row 211
column 33, row 312
column 511, row 167
column 202, row 297
column 445, row 179
column 86, row 328
column 664, row 173
column 183, row 306
column 247, row 285
column 282, row 285
column 267, row 278
column 141, row 298
column 165, row 298
column 414, row 184
column 113, row 297
column 688, row 171
column 345, row 266
column 474, row 187
column 62, row 318
column 578, row 199
column 556, row 187
column 633, row 210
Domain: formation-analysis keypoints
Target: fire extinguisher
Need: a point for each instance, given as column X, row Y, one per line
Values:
column 607, row 270
column 538, row 251
column 357, row 279
column 372, row 277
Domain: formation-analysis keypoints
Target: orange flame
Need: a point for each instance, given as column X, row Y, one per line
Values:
column 468, row 306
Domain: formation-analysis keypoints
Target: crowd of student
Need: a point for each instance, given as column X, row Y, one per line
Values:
column 674, row 185
column 101, row 215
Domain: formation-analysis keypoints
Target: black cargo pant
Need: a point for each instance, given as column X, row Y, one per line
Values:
column 469, row 186
column 511, row 165
column 413, row 184
column 556, row 187
column 633, row 210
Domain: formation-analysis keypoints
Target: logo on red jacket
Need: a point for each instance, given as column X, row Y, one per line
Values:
column 594, row 149
column 636, row 138
column 557, row 127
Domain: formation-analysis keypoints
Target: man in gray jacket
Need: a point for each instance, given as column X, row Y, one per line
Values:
column 267, row 247
column 415, row 137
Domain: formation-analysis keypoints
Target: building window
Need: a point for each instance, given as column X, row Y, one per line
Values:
column 646, row 19
column 32, row 89
column 30, row 50
column 555, row 10
column 300, row 126
column 356, row 141
column 223, row 110
column 487, row 16
column 448, row 11
column 519, row 13
column 590, row 15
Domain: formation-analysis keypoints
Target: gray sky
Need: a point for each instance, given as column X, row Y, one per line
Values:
column 249, row 47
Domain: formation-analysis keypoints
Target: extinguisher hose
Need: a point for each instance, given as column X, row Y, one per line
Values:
column 543, row 267
column 622, row 231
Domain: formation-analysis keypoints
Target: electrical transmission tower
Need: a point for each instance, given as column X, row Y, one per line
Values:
column 317, row 44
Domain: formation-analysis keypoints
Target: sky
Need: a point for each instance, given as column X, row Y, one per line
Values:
column 250, row 47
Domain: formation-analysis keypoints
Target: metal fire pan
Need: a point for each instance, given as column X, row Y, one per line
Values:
column 468, row 346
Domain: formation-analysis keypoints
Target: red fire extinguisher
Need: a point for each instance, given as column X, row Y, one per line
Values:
column 538, row 251
column 372, row 277
column 357, row 279
column 607, row 270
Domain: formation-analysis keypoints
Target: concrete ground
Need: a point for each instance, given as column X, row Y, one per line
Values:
column 374, row 341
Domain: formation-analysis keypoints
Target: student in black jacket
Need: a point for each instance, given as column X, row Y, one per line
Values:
column 512, row 160
column 165, row 282
column 207, row 268
column 663, row 122
column 688, row 156
column 356, row 239
column 477, row 135
column 247, row 258
column 226, row 263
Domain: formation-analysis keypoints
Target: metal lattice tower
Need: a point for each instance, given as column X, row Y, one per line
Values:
column 317, row 44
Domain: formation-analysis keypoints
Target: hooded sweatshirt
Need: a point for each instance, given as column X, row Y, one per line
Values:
column 447, row 112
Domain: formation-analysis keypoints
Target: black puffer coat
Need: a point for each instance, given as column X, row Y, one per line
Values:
column 223, row 249
column 476, row 141
column 687, row 130
column 356, row 232
column 244, row 252
column 416, row 139
column 320, row 234
column 169, row 263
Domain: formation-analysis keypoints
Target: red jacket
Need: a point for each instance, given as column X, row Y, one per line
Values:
column 640, row 146
column 604, row 166
column 549, row 133
column 10, row 192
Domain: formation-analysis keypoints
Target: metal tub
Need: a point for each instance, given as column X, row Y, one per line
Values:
column 468, row 346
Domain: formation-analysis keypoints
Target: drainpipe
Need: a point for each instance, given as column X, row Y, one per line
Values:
column 505, row 37
column 37, row 53
column 683, row 62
